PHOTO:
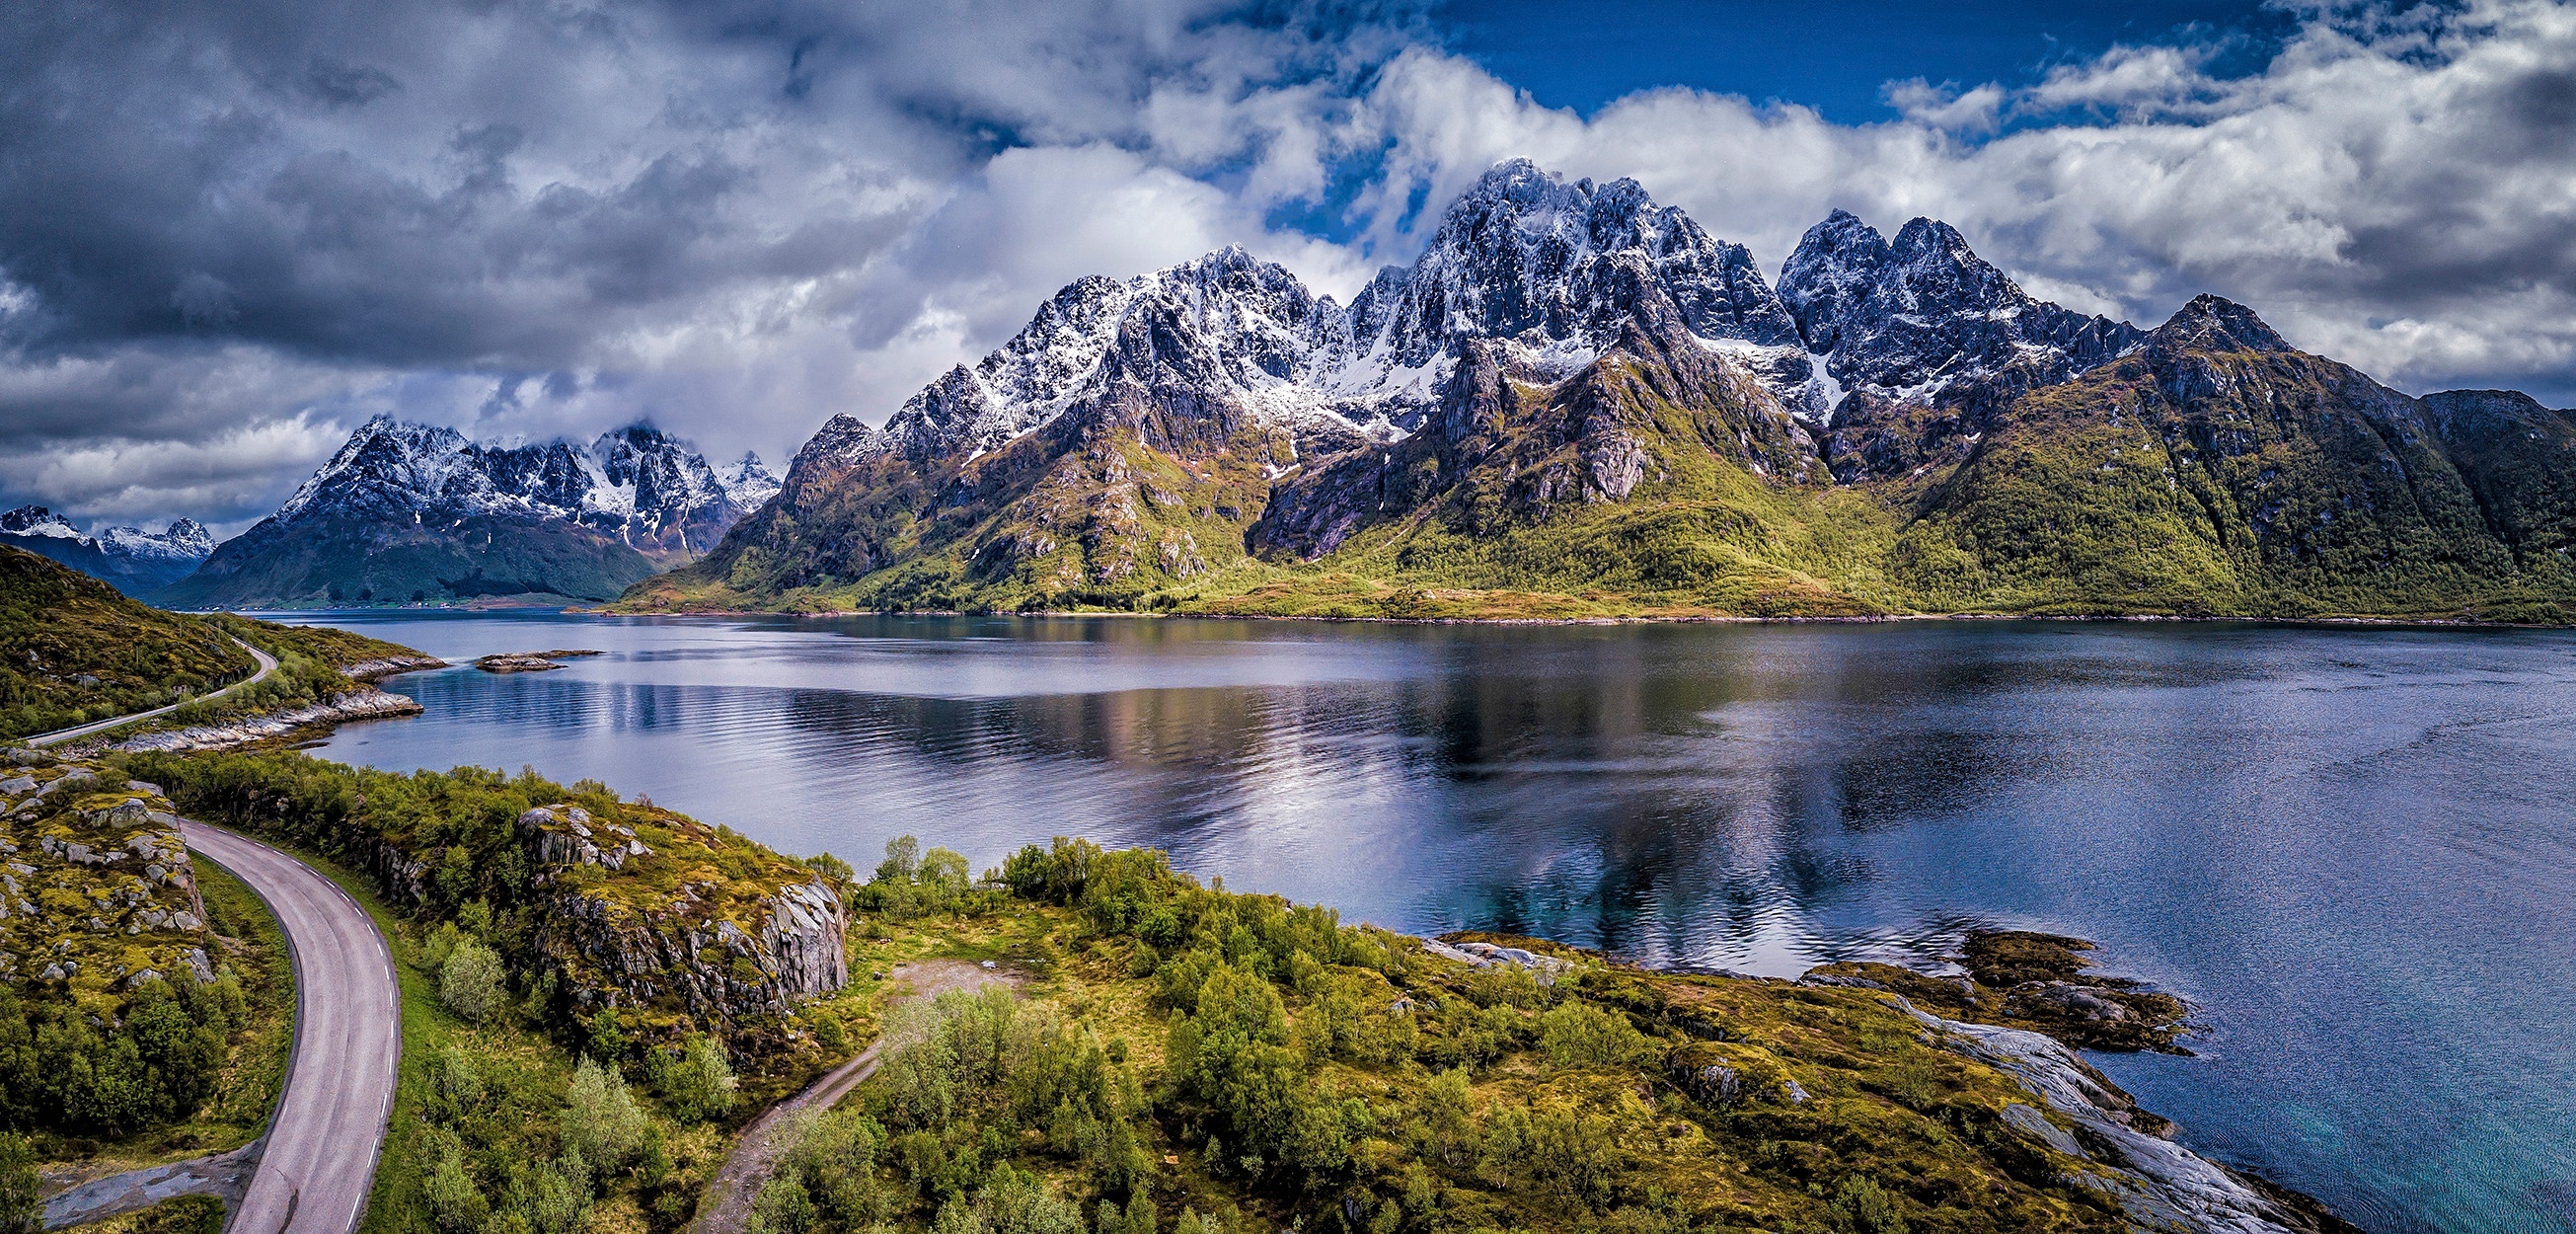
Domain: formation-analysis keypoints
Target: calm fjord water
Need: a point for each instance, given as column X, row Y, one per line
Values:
column 2355, row 848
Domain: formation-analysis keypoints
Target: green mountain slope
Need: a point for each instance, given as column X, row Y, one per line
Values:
column 72, row 649
column 2213, row 471
column 1103, row 507
column 2216, row 471
column 326, row 559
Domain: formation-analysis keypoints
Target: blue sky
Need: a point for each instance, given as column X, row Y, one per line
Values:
column 1832, row 55
column 229, row 233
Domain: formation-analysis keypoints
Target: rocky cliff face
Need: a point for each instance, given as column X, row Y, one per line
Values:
column 1907, row 320
column 135, row 561
column 1507, row 447
column 2519, row 460
column 638, row 918
column 1131, row 433
column 96, row 894
column 2214, row 469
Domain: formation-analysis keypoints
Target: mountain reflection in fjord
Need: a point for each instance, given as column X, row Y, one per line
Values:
column 2353, row 847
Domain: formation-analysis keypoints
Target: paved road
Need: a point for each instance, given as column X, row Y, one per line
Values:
column 267, row 665
column 320, row 1158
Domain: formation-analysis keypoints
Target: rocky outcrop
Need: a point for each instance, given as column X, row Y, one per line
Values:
column 2159, row 1184
column 96, row 892
column 666, row 933
column 1910, row 318
column 369, row 670
column 365, row 703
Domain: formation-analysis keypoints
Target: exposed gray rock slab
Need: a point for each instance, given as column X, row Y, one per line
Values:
column 2160, row 1184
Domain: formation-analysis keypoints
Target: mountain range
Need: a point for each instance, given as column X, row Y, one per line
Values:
column 417, row 513
column 135, row 561
column 1577, row 402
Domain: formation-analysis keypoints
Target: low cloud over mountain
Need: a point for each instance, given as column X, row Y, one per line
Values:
column 230, row 234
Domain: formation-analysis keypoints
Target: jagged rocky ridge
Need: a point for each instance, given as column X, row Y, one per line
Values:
column 650, row 490
column 1578, row 394
column 1909, row 319
column 131, row 559
column 415, row 512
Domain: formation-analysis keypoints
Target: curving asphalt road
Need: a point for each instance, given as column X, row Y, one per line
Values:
column 319, row 1161
column 267, row 665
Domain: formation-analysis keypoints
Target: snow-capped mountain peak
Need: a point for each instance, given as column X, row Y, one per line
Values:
column 1551, row 267
column 130, row 557
column 1910, row 318
column 749, row 482
column 38, row 521
column 651, row 490
column 185, row 540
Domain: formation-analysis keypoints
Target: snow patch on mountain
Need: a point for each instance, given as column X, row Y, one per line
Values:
column 184, row 540
column 1552, row 270
column 749, row 482
column 133, row 559
column 1908, row 319
column 651, row 490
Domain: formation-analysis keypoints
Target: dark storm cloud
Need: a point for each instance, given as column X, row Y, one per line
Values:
column 285, row 193
column 228, row 231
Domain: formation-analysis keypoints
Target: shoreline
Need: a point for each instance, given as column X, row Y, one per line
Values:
column 2356, row 622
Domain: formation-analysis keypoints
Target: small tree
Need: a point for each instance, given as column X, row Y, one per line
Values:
column 696, row 1083
column 782, row 1207
column 903, row 860
column 473, row 983
column 456, row 1205
column 601, row 1120
column 20, row 1211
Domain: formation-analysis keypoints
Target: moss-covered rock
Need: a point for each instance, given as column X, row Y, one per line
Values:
column 655, row 911
column 96, row 893
column 2041, row 982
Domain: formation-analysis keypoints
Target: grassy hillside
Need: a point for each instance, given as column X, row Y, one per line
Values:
column 1183, row 1057
column 73, row 650
column 2214, row 472
column 521, row 958
column 1170, row 1056
column 1079, row 513
column 145, row 1006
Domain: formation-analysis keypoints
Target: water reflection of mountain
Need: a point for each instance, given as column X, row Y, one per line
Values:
column 2352, row 847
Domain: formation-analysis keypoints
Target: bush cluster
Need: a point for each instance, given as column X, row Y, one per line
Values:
column 160, row 1062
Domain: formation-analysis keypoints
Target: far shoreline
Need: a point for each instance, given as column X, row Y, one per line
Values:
column 2429, row 623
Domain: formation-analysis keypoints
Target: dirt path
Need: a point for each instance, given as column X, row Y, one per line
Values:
column 727, row 1203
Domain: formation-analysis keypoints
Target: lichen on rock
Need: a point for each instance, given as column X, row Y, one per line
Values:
column 96, row 893
column 655, row 911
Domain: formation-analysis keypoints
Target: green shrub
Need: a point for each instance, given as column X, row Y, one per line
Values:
column 694, row 1082
column 601, row 1120
column 472, row 983
column 20, row 1211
